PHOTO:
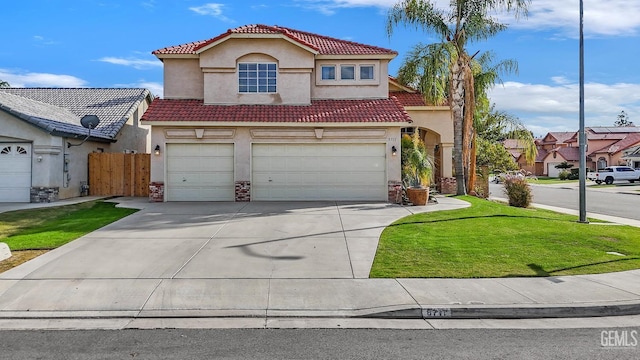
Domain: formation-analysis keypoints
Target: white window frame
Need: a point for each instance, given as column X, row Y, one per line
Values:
column 345, row 66
column 332, row 67
column 271, row 81
column 373, row 72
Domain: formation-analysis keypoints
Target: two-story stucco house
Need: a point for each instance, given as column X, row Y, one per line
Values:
column 272, row 113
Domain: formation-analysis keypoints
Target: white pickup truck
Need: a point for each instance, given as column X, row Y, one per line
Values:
column 614, row 173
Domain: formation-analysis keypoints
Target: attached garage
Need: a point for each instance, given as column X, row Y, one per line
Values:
column 319, row 172
column 200, row 172
column 15, row 172
column 552, row 171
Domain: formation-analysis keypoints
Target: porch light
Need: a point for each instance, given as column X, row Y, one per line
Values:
column 394, row 151
column 157, row 150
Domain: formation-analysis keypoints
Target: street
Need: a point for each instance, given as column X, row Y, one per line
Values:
column 609, row 203
column 322, row 344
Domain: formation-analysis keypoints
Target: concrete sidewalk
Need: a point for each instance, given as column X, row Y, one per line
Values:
column 144, row 270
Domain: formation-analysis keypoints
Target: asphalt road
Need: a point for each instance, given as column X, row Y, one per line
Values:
column 606, row 203
column 321, row 344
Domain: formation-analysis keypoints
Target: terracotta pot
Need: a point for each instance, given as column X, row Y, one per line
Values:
column 418, row 196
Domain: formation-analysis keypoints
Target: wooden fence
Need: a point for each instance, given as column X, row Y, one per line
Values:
column 119, row 174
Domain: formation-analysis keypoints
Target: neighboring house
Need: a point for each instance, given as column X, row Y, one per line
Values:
column 43, row 155
column 632, row 156
column 271, row 113
column 605, row 146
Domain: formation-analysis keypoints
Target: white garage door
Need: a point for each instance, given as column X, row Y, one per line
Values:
column 200, row 172
column 319, row 172
column 552, row 171
column 15, row 172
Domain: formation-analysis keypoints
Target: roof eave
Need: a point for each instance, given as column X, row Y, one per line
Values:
column 276, row 124
column 255, row 36
column 176, row 56
column 356, row 56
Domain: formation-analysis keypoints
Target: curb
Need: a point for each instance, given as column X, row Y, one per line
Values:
column 532, row 311
column 512, row 312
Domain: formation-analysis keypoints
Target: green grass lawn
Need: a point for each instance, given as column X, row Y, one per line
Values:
column 49, row 228
column 490, row 239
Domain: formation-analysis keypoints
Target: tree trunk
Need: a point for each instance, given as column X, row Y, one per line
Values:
column 468, row 132
column 457, row 109
column 472, row 167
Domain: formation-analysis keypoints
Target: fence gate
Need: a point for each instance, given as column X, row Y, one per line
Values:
column 119, row 174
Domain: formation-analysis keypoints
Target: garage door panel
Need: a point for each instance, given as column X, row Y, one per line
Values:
column 15, row 172
column 319, row 172
column 200, row 172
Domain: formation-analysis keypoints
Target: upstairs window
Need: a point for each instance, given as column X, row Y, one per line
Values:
column 366, row 72
column 328, row 72
column 347, row 72
column 257, row 77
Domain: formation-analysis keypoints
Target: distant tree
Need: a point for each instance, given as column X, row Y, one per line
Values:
column 564, row 165
column 4, row 84
column 623, row 120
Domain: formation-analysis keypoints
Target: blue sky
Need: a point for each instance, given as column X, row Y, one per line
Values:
column 108, row 43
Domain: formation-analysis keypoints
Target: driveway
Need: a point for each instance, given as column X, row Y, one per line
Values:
column 256, row 240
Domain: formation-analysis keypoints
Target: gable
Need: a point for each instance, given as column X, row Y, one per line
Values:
column 229, row 53
column 313, row 43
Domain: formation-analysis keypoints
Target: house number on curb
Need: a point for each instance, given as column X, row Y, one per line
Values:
column 436, row 313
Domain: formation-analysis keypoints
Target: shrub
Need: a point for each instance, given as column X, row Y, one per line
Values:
column 517, row 190
column 564, row 175
column 575, row 174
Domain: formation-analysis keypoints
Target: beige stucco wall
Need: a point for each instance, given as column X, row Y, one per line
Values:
column 378, row 88
column 220, row 62
column 245, row 137
column 183, row 79
column 213, row 76
column 134, row 137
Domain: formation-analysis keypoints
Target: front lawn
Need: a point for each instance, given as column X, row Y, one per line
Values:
column 490, row 239
column 49, row 228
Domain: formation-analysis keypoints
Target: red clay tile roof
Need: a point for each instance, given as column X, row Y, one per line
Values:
column 570, row 153
column 409, row 99
column 629, row 141
column 323, row 44
column 320, row 111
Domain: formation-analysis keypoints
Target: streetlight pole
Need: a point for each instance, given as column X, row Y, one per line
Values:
column 582, row 138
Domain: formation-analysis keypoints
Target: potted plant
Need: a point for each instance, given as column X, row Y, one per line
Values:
column 417, row 169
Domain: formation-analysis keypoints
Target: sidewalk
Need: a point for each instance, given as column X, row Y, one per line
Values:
column 30, row 301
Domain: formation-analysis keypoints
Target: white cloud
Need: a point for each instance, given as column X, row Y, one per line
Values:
column 157, row 89
column 31, row 79
column 601, row 18
column 211, row 9
column 139, row 64
column 545, row 108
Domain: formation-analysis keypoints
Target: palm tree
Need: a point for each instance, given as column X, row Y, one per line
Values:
column 4, row 84
column 465, row 21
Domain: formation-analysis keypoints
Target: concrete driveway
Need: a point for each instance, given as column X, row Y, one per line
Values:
column 257, row 240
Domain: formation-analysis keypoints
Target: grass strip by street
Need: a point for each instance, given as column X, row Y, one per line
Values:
column 49, row 228
column 491, row 239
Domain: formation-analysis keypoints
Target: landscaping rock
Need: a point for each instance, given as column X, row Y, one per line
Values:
column 5, row 253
